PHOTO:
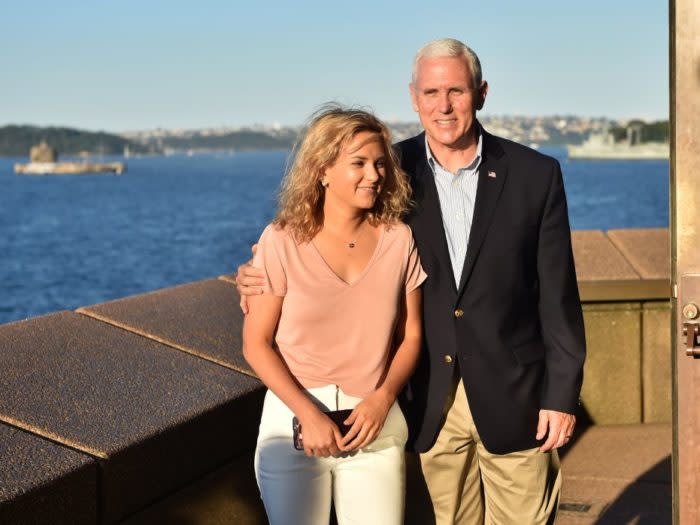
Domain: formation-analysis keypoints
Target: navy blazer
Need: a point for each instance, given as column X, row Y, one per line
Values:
column 514, row 324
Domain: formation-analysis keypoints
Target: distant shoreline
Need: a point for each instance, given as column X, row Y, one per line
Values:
column 15, row 141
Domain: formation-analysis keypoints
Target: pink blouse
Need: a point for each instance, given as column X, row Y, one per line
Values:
column 332, row 332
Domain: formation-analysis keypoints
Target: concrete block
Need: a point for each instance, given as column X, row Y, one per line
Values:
column 656, row 362
column 648, row 250
column 202, row 318
column 597, row 259
column 156, row 417
column 611, row 390
column 226, row 496
column 43, row 482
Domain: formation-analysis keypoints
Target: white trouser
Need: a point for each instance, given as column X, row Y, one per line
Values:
column 367, row 486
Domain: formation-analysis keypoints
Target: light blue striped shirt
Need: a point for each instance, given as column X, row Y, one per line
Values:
column 457, row 193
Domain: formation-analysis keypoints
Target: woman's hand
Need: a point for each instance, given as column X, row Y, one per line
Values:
column 367, row 420
column 319, row 435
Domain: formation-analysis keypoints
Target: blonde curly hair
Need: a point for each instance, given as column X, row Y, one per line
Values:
column 301, row 196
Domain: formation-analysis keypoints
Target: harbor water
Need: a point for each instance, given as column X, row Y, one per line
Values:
column 69, row 241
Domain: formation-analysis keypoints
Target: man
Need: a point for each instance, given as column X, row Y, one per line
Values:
column 497, row 386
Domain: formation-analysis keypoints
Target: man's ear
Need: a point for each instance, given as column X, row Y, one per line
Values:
column 414, row 100
column 481, row 94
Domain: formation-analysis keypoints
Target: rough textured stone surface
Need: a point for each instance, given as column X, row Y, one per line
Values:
column 656, row 362
column 157, row 417
column 227, row 496
column 203, row 318
column 611, row 390
column 648, row 250
column 44, row 482
column 598, row 259
column 623, row 472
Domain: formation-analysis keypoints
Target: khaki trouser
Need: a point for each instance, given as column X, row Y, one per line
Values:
column 469, row 485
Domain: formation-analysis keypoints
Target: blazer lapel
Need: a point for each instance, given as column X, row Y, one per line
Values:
column 492, row 176
column 427, row 211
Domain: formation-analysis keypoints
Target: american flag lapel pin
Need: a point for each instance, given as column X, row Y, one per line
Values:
column 492, row 174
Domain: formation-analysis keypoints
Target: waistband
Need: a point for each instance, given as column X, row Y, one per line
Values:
column 328, row 397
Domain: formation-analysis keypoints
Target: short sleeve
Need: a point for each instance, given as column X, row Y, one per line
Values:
column 270, row 257
column 414, row 271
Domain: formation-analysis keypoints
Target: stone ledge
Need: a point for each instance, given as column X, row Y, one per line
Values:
column 597, row 258
column 155, row 417
column 624, row 290
column 201, row 318
column 43, row 482
column 648, row 250
column 622, row 265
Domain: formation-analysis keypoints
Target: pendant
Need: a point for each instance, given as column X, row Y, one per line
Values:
column 351, row 245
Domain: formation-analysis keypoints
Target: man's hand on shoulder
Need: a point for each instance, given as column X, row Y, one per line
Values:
column 557, row 426
column 249, row 281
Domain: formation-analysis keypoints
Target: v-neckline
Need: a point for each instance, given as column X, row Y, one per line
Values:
column 367, row 266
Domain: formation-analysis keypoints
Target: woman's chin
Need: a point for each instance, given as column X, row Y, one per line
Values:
column 368, row 204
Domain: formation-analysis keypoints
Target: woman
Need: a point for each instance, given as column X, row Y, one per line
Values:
column 337, row 327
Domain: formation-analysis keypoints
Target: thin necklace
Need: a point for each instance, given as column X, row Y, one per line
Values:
column 352, row 243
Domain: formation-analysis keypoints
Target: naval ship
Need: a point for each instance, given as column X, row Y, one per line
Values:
column 603, row 146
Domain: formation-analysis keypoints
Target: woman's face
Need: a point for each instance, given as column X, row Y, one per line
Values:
column 354, row 180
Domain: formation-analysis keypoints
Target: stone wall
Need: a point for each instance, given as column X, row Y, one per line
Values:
column 624, row 281
column 143, row 409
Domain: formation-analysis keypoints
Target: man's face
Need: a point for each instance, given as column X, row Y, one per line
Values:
column 446, row 101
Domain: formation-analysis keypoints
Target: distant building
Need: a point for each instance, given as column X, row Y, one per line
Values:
column 43, row 153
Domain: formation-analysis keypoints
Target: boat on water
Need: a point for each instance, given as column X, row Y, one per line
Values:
column 43, row 160
column 603, row 146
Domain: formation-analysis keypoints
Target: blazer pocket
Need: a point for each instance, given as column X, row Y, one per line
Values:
column 529, row 352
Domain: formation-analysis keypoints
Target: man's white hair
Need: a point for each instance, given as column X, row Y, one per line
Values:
column 449, row 47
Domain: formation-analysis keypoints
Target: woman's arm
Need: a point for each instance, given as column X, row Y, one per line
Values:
column 368, row 417
column 320, row 435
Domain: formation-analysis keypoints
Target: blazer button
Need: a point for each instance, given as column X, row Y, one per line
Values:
column 459, row 313
column 448, row 359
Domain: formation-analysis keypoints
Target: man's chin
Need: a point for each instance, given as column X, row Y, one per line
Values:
column 449, row 139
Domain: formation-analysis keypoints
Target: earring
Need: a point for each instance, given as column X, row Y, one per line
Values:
column 324, row 183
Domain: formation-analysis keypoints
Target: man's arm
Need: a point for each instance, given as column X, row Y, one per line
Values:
column 249, row 281
column 561, row 319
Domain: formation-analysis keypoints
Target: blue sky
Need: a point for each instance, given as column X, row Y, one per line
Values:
column 145, row 64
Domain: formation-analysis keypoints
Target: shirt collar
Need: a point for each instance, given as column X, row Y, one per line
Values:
column 471, row 166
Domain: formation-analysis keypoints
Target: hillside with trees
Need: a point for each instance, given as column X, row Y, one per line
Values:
column 16, row 141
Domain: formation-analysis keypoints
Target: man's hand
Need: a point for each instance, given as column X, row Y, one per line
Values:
column 557, row 426
column 249, row 281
